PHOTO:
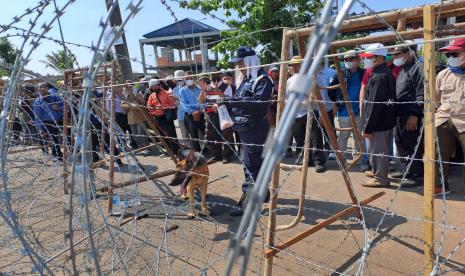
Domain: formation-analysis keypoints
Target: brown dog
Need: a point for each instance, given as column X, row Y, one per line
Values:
column 192, row 173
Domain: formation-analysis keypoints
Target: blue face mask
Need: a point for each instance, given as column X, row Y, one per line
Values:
column 457, row 70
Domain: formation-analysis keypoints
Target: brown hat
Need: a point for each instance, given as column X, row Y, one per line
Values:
column 296, row 60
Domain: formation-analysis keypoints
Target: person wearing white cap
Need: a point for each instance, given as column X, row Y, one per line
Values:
column 379, row 116
column 180, row 83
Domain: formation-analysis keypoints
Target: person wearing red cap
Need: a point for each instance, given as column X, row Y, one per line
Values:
column 450, row 108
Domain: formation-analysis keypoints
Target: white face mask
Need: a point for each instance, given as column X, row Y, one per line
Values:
column 399, row 62
column 455, row 61
column 349, row 65
column 369, row 62
column 190, row 82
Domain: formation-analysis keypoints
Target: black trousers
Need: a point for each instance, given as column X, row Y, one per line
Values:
column 168, row 129
column 193, row 128
column 406, row 142
column 96, row 130
column 318, row 142
column 122, row 120
column 53, row 130
column 215, row 134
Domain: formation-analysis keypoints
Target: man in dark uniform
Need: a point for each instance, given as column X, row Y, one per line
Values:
column 249, row 107
column 409, row 88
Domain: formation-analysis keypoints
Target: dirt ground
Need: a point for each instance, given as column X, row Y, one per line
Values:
column 167, row 243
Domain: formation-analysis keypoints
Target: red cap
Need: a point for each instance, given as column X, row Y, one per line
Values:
column 366, row 55
column 457, row 44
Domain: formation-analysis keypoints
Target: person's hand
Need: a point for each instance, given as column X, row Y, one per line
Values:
column 215, row 107
column 368, row 135
column 203, row 85
column 412, row 123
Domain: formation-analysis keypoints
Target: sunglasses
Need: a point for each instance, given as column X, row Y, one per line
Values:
column 452, row 54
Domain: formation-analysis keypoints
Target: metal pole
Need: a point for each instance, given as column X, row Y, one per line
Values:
column 111, row 168
column 430, row 149
column 67, row 82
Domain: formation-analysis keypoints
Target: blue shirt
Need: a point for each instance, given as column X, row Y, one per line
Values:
column 189, row 99
column 44, row 111
column 176, row 92
column 324, row 78
column 354, row 84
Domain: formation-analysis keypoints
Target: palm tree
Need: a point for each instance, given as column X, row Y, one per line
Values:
column 58, row 60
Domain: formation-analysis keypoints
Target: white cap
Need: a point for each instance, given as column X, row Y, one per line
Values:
column 153, row 82
column 374, row 50
column 179, row 74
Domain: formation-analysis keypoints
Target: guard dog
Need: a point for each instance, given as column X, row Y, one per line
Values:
column 192, row 173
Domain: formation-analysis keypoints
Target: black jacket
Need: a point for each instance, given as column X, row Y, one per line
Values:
column 381, row 89
column 409, row 88
column 251, row 103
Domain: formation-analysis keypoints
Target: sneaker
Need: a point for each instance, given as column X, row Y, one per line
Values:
column 369, row 174
column 396, row 174
column 411, row 182
column 218, row 158
column 288, row 153
column 227, row 160
column 438, row 191
column 120, row 163
column 331, row 156
column 319, row 168
column 375, row 183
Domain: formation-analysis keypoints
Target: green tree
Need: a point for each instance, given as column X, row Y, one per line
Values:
column 7, row 51
column 57, row 60
column 7, row 55
column 245, row 16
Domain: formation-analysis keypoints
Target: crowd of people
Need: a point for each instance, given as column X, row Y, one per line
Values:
column 385, row 89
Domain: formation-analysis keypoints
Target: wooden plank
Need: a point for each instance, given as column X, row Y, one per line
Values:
column 429, row 144
column 271, row 252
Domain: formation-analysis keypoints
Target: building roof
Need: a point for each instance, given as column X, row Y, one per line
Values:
column 182, row 27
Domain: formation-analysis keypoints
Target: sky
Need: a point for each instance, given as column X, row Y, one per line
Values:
column 80, row 25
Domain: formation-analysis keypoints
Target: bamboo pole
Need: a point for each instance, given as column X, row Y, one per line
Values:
column 306, row 157
column 368, row 22
column 268, row 266
column 111, row 168
column 446, row 30
column 430, row 149
column 271, row 252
